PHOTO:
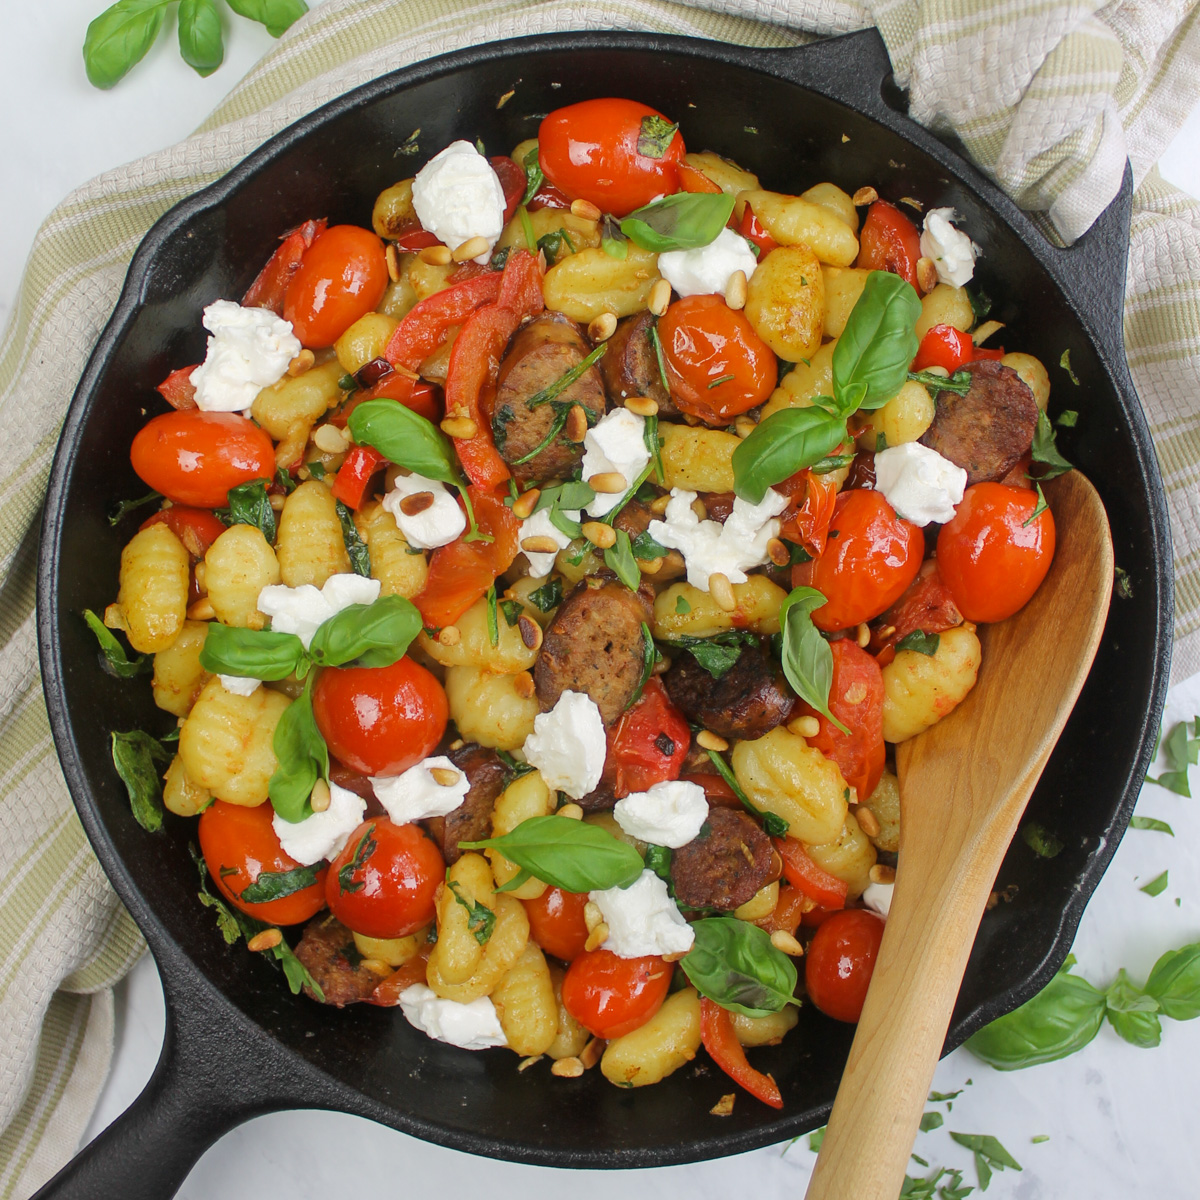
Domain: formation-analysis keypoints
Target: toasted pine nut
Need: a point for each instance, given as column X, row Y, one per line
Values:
column 416, row 503
column 650, row 566
column 864, row 195
column 658, row 505
column 642, row 406
column 540, row 544
column 571, row 811
column 449, row 635
column 863, row 635
column 675, row 956
column 459, row 427
column 530, row 631
column 525, row 503
column 724, row 1106
column 868, row 822
column 887, row 631
column 661, row 666
column 567, row 1068
column 591, row 1053
column 805, row 727
column 881, row 874
column 912, row 202
column 592, row 916
column 782, row 940
column 856, row 693
column 969, row 626
column 320, row 797
column 610, row 483
column 526, row 1063
column 329, row 439
column 721, row 590
column 302, row 362
column 660, row 298
column 471, row 248
column 435, row 256
column 699, row 509
column 500, row 104
column 596, row 938
column 936, row 370
column 202, row 610
column 377, row 967
column 523, row 685
column 201, row 572
column 445, row 776
column 576, row 427
column 266, row 939
column 735, row 290
column 585, row 209
column 393, row 262
column 778, row 553
column 744, row 426
column 599, row 534
column 602, row 327
column 926, row 274
column 277, row 501
column 707, row 740
column 457, row 744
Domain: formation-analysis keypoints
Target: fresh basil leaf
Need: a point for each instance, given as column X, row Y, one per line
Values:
column 295, row 972
column 734, row 964
column 1045, row 450
column 1152, row 823
column 228, row 924
column 116, row 661
column 1039, row 508
column 493, row 617
column 119, row 38
column 816, row 1139
column 277, row 15
column 274, row 885
column 1123, row 997
column 832, row 462
column 406, row 438
column 1157, row 885
column 249, row 504
column 316, row 469
column 614, row 248
column 716, row 654
column 682, row 607
column 872, row 356
column 534, row 177
column 1181, row 751
column 655, row 135
column 1067, row 419
column 549, row 596
column 658, row 860
column 781, row 445
column 653, row 446
column 981, row 302
column 684, row 221
column 572, row 495
column 567, row 854
column 551, row 245
column 514, row 768
column 481, row 920
column 511, row 610
column 564, row 524
column 1175, row 983
column 650, row 656
column 619, row 559
column 284, row 480
column 356, row 548
column 553, row 390
column 201, row 44
column 1061, row 1019
column 1040, row 840
column 367, row 845
column 119, row 510
column 806, row 658
column 303, row 758
column 1065, row 363
column 134, row 755
column 774, row 824
column 1142, row 1029
column 369, row 635
column 252, row 653
column 920, row 641
column 646, row 548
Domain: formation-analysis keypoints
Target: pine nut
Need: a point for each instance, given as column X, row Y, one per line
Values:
column 969, row 626
column 699, row 509
column 417, row 503
column 724, row 1106
column 602, row 327
column 868, row 822
column 707, row 740
column 735, row 290
column 881, row 874
column 592, row 1052
column 941, row 372
column 782, row 940
column 650, row 566
column 200, row 571
column 525, row 503
column 567, row 1068
column 863, row 635
column 500, row 104
column 658, row 505
column 526, row 1063
column 927, row 276
column 576, row 427
column 461, row 428
column 303, row 361
column 778, row 553
column 744, row 426
column 660, row 298
column 435, row 256
column 856, row 693
column 595, row 939
column 329, row 439
column 524, row 686
column 721, row 590
column 457, row 744
column 642, row 406
column 887, row 631
column 609, row 483
column 377, row 967
column 202, row 610
column 392, row 257
column 805, row 727
column 571, row 811
column 541, row 544
column 277, row 501
column 444, row 776
column 266, row 939
column 471, row 248
column 675, row 956
column 592, row 916
column 449, row 636
column 661, row 666
column 601, row 536
column 865, row 195
column 319, row 798
column 530, row 630
column 586, row 209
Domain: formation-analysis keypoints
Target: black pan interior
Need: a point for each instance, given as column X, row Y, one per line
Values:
column 745, row 105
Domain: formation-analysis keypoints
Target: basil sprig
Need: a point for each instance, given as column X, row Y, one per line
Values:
column 248, row 504
column 481, row 920
column 134, row 755
column 806, row 657
column 117, row 662
column 684, row 221
column 274, row 885
column 571, row 855
column 302, row 755
column 734, row 964
column 369, row 635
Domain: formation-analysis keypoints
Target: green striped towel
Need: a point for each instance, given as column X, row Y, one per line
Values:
column 1050, row 96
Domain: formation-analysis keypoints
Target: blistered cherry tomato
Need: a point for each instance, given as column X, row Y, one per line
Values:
column 871, row 556
column 195, row 457
column 556, row 922
column 239, row 846
column 196, row 528
column 383, row 882
column 648, row 744
column 717, row 365
column 342, row 277
column 991, row 556
column 590, row 151
column 611, row 996
column 380, row 720
column 840, row 961
column 889, row 241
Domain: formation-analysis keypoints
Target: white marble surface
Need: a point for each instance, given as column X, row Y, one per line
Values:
column 1120, row 1120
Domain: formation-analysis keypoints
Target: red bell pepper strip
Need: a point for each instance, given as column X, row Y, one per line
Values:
column 178, row 390
column 355, row 473
column 512, row 183
column 889, row 241
column 693, row 180
column 754, row 232
column 424, row 328
column 415, row 238
column 267, row 291
column 804, row 874
column 720, row 1040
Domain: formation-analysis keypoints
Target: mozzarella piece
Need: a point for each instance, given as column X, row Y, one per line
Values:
column 239, row 685
column 642, row 919
column 473, row 1026
column 540, row 525
column 706, row 270
column 568, row 745
column 250, row 349
column 302, row 610
column 878, row 897
column 953, row 253
column 666, row 814
column 437, row 525
column 616, row 443
column 323, row 834
column 414, row 794
column 457, row 196
column 919, row 483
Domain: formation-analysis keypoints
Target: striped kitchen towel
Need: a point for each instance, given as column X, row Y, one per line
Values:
column 1049, row 96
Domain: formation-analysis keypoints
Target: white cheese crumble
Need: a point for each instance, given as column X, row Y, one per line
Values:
column 414, row 794
column 616, row 443
column 322, row 834
column 250, row 349
column 642, row 919
column 437, row 525
column 708, row 546
column 919, row 483
column 666, row 814
column 540, row 525
column 457, row 196
column 239, row 685
column 568, row 745
column 878, row 897
column 706, row 270
column 473, row 1026
column 302, row 610
column 953, row 253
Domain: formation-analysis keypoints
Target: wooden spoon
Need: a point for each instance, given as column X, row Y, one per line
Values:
column 963, row 787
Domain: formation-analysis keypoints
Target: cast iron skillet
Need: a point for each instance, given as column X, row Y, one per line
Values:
column 237, row 1043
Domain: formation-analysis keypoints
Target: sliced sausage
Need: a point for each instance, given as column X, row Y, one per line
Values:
column 630, row 365
column 542, row 353
column 726, row 864
column 471, row 821
column 986, row 431
column 594, row 645
column 747, row 702
column 328, row 952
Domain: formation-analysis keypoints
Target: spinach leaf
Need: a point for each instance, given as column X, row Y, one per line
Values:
column 117, row 662
column 716, row 654
column 806, row 658
column 684, row 221
column 303, row 758
column 735, row 965
column 356, row 548
column 534, row 178
column 134, row 755
column 252, row 653
column 920, row 641
column 548, row 596
column 250, row 505
column 781, row 445
column 274, row 885
column 872, row 356
column 481, row 920
column 369, row 635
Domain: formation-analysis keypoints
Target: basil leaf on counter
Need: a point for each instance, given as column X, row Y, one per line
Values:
column 481, row 920
column 356, row 548
column 1157, row 885
column 274, row 885
column 989, row 1155
column 655, row 135
column 619, row 559
column 303, row 758
column 734, row 964
column 781, row 445
column 684, row 221
column 806, row 658
column 1152, row 823
column 1045, row 450
column 201, row 44
column 277, row 15
column 534, row 177
column 405, row 438
column 119, row 38
column 252, row 653
column 567, row 854
column 117, row 662
column 1175, row 983
column 1132, row 1012
column 920, row 641
column 369, row 635
column 250, row 505
column 134, row 755
column 872, row 356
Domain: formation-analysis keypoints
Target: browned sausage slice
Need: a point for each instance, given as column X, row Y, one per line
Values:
column 986, row 431
column 328, row 952
column 747, row 702
column 594, row 645
column 542, row 353
column 471, row 821
column 630, row 366
column 725, row 864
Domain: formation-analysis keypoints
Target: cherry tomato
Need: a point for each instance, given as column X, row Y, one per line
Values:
column 556, row 922
column 611, row 996
column 870, row 557
column 991, row 555
column 196, row 528
column 589, row 151
column 648, row 744
column 717, row 365
column 383, row 882
column 810, row 509
column 927, row 606
column 840, row 961
column 195, row 457
column 342, row 277
column 752, row 230
column 945, row 346
column 239, row 845
column 270, row 288
column 889, row 241
column 380, row 720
